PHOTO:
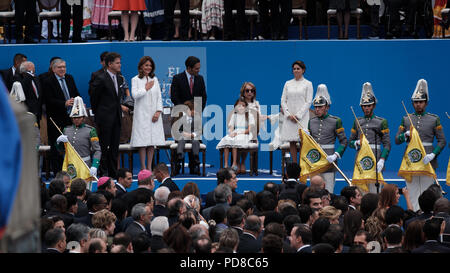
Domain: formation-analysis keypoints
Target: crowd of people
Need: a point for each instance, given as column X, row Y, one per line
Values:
column 281, row 218
column 156, row 18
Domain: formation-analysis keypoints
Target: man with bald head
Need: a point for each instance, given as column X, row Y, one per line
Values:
column 317, row 183
column 31, row 89
column 249, row 241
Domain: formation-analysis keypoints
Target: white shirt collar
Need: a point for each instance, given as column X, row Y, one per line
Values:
column 121, row 186
column 302, row 247
column 189, row 75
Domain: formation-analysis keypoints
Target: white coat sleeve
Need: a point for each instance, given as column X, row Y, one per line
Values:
column 284, row 99
column 307, row 103
column 137, row 88
column 159, row 105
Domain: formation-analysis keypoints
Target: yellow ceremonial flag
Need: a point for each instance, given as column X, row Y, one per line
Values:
column 412, row 163
column 313, row 160
column 74, row 165
column 448, row 173
column 365, row 170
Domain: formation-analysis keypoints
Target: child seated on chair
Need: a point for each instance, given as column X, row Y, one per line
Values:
column 239, row 132
column 190, row 131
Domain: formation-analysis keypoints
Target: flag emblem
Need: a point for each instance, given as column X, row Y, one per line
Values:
column 415, row 155
column 72, row 171
column 313, row 156
column 366, row 163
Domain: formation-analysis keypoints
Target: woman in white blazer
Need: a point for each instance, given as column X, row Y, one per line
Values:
column 148, row 130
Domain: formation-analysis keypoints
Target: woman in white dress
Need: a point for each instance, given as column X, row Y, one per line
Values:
column 248, row 92
column 295, row 103
column 148, row 130
column 239, row 132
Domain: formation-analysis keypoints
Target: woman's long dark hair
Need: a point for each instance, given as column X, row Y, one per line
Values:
column 142, row 61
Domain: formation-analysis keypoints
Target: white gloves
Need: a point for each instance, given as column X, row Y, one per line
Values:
column 62, row 138
column 380, row 165
column 427, row 159
column 93, row 171
column 333, row 157
column 357, row 144
column 407, row 134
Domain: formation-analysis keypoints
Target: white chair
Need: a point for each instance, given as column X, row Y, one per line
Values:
column 49, row 15
column 299, row 11
column 354, row 13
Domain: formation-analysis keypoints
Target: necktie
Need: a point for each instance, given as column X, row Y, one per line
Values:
column 64, row 89
column 35, row 89
column 191, row 84
column 66, row 93
column 115, row 83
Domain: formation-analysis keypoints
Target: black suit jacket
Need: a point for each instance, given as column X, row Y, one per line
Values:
column 54, row 98
column 33, row 102
column 105, row 102
column 431, row 247
column 139, row 195
column 170, row 184
column 134, row 230
column 209, row 199
column 157, row 243
column 87, row 220
column 180, row 91
column 8, row 77
column 248, row 244
column 159, row 210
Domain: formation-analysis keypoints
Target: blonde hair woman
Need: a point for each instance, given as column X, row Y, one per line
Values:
column 331, row 213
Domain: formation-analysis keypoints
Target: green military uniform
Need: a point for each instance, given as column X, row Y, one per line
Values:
column 324, row 130
column 84, row 140
column 428, row 126
column 375, row 129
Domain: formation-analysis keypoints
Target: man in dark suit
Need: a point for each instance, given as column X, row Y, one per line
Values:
column 228, row 177
column 59, row 93
column 236, row 219
column 141, row 215
column 124, row 180
column 161, row 173
column 95, row 202
column 55, row 240
column 432, row 230
column 105, row 92
column 31, row 89
column 188, row 84
column 222, row 196
column 8, row 74
column 77, row 18
column 22, row 7
column 161, row 196
column 301, row 238
column 248, row 240
column 143, row 193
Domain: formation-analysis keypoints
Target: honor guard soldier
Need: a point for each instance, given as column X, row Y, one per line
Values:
column 428, row 126
column 325, row 128
column 83, row 137
column 374, row 128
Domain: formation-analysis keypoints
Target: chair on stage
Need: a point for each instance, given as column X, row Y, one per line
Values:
column 251, row 149
column 299, row 11
column 332, row 13
column 49, row 15
column 6, row 17
column 167, row 124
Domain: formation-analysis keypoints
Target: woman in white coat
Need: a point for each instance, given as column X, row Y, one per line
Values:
column 148, row 130
column 295, row 103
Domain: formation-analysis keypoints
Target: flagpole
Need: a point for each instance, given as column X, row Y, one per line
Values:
column 334, row 164
column 79, row 157
column 435, row 179
column 377, row 184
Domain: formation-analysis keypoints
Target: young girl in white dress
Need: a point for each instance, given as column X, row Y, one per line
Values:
column 148, row 130
column 239, row 132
